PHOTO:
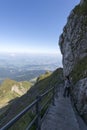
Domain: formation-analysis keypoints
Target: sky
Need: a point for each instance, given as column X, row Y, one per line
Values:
column 33, row 26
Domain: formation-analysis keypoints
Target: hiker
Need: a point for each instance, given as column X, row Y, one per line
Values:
column 67, row 86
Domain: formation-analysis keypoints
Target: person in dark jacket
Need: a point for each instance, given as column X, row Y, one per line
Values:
column 67, row 86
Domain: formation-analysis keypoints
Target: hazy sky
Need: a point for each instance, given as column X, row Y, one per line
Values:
column 32, row 25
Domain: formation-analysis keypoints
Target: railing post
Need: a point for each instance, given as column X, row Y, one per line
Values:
column 38, row 110
column 53, row 100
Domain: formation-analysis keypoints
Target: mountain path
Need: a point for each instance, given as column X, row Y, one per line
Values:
column 61, row 115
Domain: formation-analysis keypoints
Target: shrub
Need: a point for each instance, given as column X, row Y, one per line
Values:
column 81, row 9
column 80, row 70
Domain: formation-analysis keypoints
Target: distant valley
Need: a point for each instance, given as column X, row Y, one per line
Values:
column 18, row 74
column 21, row 67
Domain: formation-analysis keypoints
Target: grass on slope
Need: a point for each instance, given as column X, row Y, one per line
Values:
column 80, row 70
column 44, row 82
column 6, row 93
column 49, row 80
column 81, row 10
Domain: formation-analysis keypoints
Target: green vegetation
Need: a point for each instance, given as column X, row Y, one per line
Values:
column 23, row 122
column 80, row 70
column 27, row 85
column 7, row 94
column 44, row 82
column 7, row 84
column 85, row 22
column 47, row 74
column 49, row 80
column 81, row 9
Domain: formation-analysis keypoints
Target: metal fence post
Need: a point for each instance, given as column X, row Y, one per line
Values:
column 38, row 110
column 53, row 101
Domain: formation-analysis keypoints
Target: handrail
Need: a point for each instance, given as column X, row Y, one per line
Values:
column 37, row 117
column 45, row 104
column 47, row 92
column 31, row 123
column 10, row 123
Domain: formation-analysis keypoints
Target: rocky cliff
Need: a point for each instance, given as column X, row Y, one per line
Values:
column 73, row 45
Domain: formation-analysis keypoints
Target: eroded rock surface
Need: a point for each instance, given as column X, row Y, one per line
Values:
column 73, row 45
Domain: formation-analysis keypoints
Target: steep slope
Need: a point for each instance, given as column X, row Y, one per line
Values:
column 73, row 45
column 11, row 89
column 44, row 82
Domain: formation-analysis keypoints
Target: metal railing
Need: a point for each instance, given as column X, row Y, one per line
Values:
column 37, row 119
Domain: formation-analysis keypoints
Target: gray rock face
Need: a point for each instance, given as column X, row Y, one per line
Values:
column 73, row 46
column 73, row 41
column 82, row 1
column 80, row 97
